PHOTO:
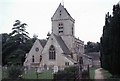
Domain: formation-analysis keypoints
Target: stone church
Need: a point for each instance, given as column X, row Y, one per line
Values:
column 62, row 48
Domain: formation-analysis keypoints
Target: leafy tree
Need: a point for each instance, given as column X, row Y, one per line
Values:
column 92, row 47
column 16, row 44
column 16, row 57
column 5, row 37
column 8, row 47
column 15, row 72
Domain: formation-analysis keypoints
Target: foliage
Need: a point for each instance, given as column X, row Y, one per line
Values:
column 19, row 31
column 8, row 47
column 68, row 73
column 110, row 42
column 16, row 44
column 92, row 47
column 14, row 72
column 13, row 50
column 13, row 57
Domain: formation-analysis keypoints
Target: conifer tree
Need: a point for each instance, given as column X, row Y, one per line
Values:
column 110, row 42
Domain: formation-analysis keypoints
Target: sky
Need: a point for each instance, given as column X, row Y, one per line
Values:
column 89, row 16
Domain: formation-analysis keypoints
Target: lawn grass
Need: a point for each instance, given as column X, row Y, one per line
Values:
column 92, row 72
column 46, row 75
column 0, row 73
column 31, row 74
column 4, row 73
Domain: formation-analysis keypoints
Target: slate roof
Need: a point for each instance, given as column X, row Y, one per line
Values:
column 72, row 60
column 68, row 13
column 62, row 45
column 94, row 55
column 86, row 56
column 43, row 42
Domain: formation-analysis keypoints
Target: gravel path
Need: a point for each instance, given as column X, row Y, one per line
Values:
column 98, row 74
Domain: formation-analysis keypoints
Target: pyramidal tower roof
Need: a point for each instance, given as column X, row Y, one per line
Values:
column 61, row 13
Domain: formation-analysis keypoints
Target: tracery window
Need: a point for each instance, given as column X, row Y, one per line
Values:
column 52, row 53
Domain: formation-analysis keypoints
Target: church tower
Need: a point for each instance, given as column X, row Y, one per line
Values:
column 62, row 48
column 62, row 22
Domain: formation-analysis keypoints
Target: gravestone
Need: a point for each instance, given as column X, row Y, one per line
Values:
column 39, row 70
column 25, row 70
column 45, row 67
column 55, row 69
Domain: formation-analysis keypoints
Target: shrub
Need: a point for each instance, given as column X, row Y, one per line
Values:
column 14, row 72
column 68, row 73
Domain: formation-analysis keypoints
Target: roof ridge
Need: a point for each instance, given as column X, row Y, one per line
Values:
column 42, row 44
column 62, row 44
column 68, row 57
column 65, row 10
column 56, row 10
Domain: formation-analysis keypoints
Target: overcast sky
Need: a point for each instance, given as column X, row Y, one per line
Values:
column 89, row 16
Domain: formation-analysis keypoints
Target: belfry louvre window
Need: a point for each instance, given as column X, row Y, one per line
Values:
column 60, row 24
column 60, row 31
column 52, row 54
column 60, row 27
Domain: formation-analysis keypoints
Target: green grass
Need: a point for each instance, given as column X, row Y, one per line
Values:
column 0, row 74
column 106, row 74
column 92, row 72
column 4, row 73
column 46, row 75
column 31, row 74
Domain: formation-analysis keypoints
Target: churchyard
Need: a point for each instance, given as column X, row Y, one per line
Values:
column 30, row 74
column 44, row 74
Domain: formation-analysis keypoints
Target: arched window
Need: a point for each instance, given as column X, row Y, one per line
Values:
column 40, row 58
column 81, row 60
column 33, row 58
column 52, row 54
